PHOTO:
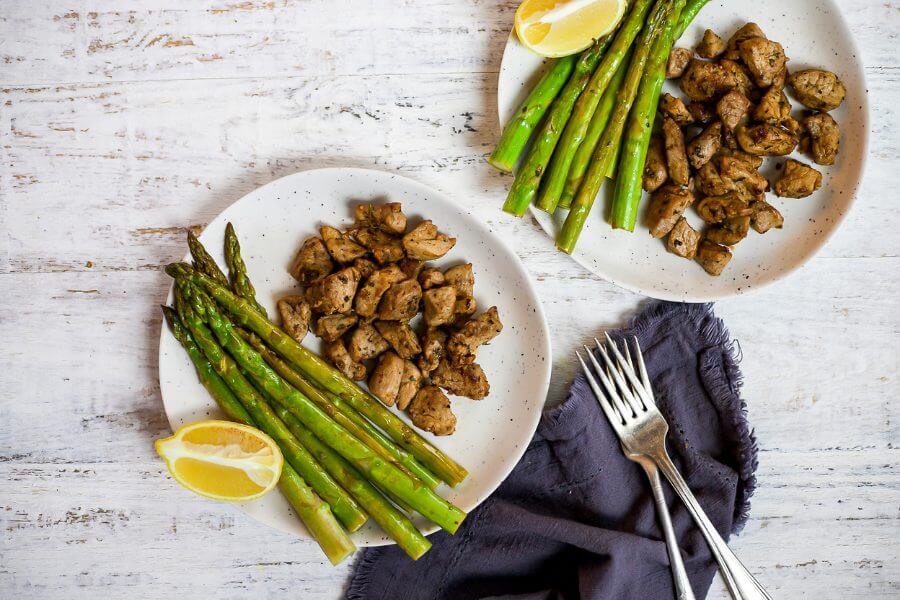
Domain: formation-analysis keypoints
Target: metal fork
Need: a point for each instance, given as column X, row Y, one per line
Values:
column 631, row 409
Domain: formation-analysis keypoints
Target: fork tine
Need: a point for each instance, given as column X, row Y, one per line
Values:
column 640, row 393
column 625, row 390
column 614, row 397
column 611, row 414
column 629, row 371
column 643, row 370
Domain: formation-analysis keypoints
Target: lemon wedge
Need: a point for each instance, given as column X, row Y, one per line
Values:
column 222, row 460
column 562, row 27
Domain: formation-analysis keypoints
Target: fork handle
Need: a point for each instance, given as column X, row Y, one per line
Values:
column 740, row 582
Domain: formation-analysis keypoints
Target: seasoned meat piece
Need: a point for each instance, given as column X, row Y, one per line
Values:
column 780, row 79
column 462, row 345
column 462, row 277
column 411, row 267
column 709, row 181
column 337, row 354
column 702, row 112
column 332, row 327
column 431, row 277
column 410, row 383
column 385, row 248
column 655, row 171
column 430, row 411
column 711, row 45
column 766, row 140
column 675, row 108
column 751, row 159
column 764, row 58
column 312, row 262
column 678, row 62
column 387, row 377
column 334, row 294
column 683, row 239
column 676, row 154
column 365, row 343
column 374, row 288
column 439, row 304
column 341, row 247
column 401, row 337
column 825, row 138
column 667, row 204
column 818, row 89
column 704, row 81
column 773, row 108
column 750, row 30
column 798, row 180
column 704, row 146
column 730, row 232
column 425, row 243
column 386, row 217
column 433, row 341
column 765, row 217
column 295, row 316
column 743, row 80
column 732, row 108
column 715, row 209
column 744, row 179
column 469, row 381
column 713, row 257
column 364, row 267
column 401, row 301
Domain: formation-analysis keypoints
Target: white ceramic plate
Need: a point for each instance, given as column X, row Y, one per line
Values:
column 813, row 34
column 491, row 434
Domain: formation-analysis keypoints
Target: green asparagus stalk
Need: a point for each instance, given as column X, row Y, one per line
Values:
column 519, row 129
column 326, row 376
column 237, row 269
column 525, row 186
column 576, row 128
column 397, row 525
column 344, row 507
column 315, row 514
column 627, row 194
column 383, row 473
column 606, row 147
column 582, row 157
column 338, row 410
column 203, row 261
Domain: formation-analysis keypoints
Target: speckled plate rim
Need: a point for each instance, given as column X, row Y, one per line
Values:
column 546, row 221
column 497, row 243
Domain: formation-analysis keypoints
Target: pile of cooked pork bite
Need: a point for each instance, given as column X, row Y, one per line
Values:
column 364, row 287
column 737, row 114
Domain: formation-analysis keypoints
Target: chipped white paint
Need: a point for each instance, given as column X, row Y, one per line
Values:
column 123, row 123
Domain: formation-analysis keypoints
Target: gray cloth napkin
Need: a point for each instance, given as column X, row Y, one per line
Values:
column 575, row 518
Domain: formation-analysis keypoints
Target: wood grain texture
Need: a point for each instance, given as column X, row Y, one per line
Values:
column 122, row 124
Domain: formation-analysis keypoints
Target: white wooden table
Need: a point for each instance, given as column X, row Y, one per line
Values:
column 122, row 123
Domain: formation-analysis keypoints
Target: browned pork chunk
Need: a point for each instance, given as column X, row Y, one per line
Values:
column 683, row 239
column 409, row 384
column 764, row 58
column 430, row 410
column 401, row 301
column 365, row 343
column 337, row 354
column 766, row 140
column 715, row 209
column 704, row 81
column 732, row 108
column 711, row 45
column 678, row 62
column 462, row 278
column 401, row 337
column 462, row 345
column 373, row 289
column 676, row 154
column 332, row 327
column 424, row 242
column 765, row 217
column 746, row 32
column 431, row 277
column 469, row 381
column 751, row 159
column 341, row 247
column 773, row 108
column 432, row 343
column 439, row 304
column 709, row 181
column 387, row 377
column 730, row 232
column 702, row 148
column 386, row 217
column 742, row 178
column 713, row 257
column 675, row 108
column 702, row 112
column 334, row 294
column 667, row 204
column 743, row 80
column 798, row 180
column 818, row 89
column 384, row 247
column 824, row 138
column 364, row 267
column 655, row 171
column 312, row 262
column 411, row 267
column 295, row 316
